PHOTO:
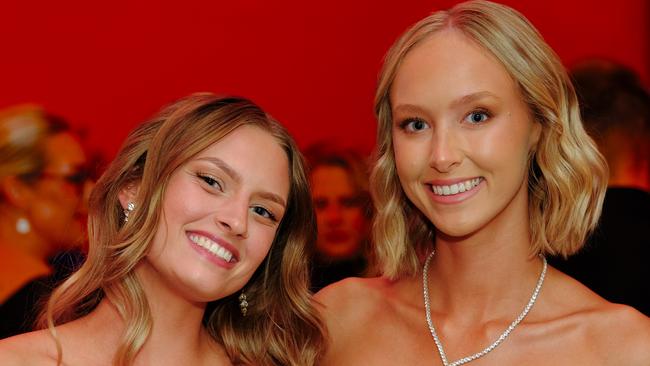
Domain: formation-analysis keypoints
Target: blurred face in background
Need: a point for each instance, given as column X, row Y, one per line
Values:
column 342, row 224
column 58, row 211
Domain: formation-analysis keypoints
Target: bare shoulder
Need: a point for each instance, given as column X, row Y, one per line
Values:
column 352, row 298
column 34, row 348
column 615, row 334
column 349, row 307
column 351, row 289
column 624, row 331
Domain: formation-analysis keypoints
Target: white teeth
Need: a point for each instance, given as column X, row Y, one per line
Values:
column 212, row 247
column 456, row 188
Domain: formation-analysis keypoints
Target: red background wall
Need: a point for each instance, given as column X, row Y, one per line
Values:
column 107, row 66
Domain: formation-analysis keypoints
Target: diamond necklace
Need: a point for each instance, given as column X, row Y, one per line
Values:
column 502, row 337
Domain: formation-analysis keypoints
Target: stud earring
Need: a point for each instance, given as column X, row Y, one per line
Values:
column 129, row 208
column 243, row 304
column 23, row 226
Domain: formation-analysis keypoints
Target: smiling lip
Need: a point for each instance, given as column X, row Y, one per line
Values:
column 451, row 191
column 219, row 260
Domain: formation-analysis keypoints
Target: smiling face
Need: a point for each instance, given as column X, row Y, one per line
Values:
column 220, row 214
column 462, row 134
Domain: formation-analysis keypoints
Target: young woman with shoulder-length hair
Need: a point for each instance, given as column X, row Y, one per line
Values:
column 206, row 205
column 482, row 168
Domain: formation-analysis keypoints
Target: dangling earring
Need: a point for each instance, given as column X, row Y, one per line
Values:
column 243, row 304
column 23, row 226
column 129, row 208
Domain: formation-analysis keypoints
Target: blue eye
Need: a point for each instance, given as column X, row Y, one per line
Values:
column 264, row 213
column 477, row 117
column 414, row 125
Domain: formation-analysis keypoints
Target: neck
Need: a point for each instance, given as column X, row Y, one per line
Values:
column 177, row 335
column 498, row 283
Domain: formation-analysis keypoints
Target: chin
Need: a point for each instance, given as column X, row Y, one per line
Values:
column 204, row 295
column 456, row 228
column 205, row 288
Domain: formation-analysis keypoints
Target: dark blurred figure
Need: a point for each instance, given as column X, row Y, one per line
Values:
column 615, row 263
column 43, row 178
column 339, row 183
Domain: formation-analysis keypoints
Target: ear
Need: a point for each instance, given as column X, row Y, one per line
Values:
column 128, row 193
column 16, row 192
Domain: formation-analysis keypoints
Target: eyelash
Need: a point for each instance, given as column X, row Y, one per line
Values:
column 406, row 124
column 481, row 111
column 210, row 181
column 267, row 214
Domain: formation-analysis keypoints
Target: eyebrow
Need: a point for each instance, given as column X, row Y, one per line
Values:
column 272, row 197
column 466, row 99
column 225, row 167
column 408, row 108
column 469, row 98
column 238, row 179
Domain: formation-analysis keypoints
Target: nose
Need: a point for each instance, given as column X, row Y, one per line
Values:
column 446, row 153
column 333, row 214
column 232, row 218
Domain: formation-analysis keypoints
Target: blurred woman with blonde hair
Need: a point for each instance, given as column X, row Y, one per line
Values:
column 483, row 167
column 206, row 206
column 43, row 176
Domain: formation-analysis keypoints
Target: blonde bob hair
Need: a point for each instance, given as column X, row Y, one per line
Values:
column 281, row 326
column 567, row 174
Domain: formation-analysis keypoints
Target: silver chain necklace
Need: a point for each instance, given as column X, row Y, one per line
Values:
column 502, row 337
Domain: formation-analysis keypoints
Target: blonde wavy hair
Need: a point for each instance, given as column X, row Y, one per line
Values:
column 281, row 326
column 567, row 174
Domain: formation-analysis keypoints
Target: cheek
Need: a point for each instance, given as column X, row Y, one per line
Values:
column 490, row 149
column 403, row 170
column 259, row 244
column 410, row 158
column 160, row 238
column 401, row 157
column 355, row 219
column 185, row 202
column 320, row 217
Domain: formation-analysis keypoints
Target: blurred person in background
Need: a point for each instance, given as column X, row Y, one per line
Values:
column 42, row 213
column 616, row 113
column 339, row 182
